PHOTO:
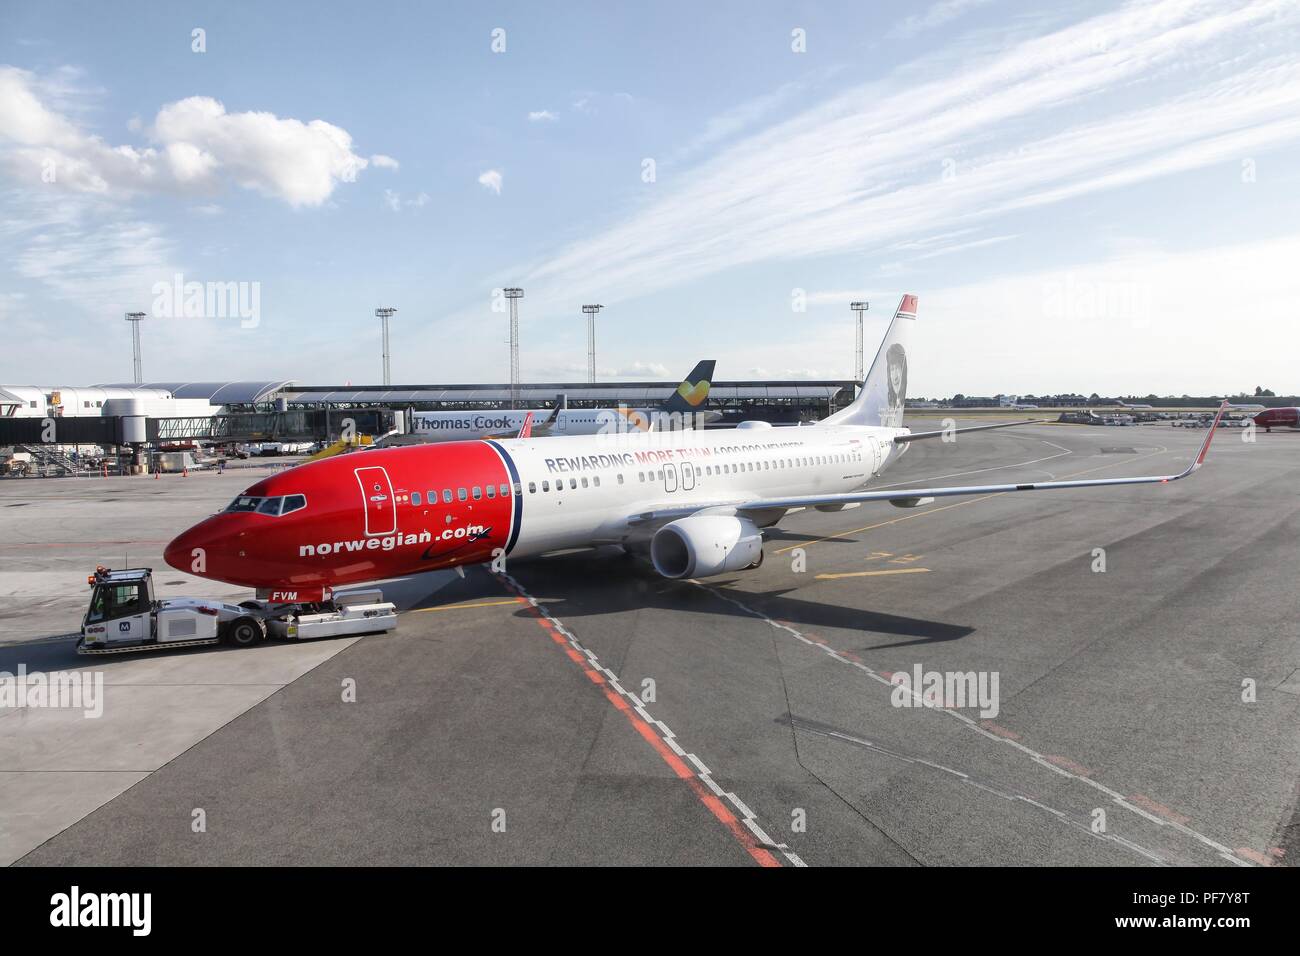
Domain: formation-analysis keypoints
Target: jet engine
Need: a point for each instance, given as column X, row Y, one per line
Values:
column 702, row 545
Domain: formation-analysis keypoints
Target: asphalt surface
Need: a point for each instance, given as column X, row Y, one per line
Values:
column 584, row 710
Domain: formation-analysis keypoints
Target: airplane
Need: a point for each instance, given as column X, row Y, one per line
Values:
column 696, row 501
column 683, row 407
column 1271, row 418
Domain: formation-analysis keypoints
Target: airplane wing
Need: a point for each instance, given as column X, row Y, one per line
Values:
column 917, row 436
column 912, row 496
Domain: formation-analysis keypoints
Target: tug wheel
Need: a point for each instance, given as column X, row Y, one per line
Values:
column 245, row 632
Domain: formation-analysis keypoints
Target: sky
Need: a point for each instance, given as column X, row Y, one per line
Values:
column 1086, row 197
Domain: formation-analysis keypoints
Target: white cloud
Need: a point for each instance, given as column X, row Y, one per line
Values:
column 887, row 161
column 196, row 146
column 380, row 161
column 491, row 180
column 934, row 16
column 1158, row 320
column 394, row 201
column 648, row 370
column 542, row 116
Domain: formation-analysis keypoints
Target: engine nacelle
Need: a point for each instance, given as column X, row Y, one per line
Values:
column 910, row 502
column 702, row 545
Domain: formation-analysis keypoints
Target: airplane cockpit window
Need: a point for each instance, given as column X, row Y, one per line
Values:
column 272, row 507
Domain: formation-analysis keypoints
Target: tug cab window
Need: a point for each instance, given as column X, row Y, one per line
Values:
column 116, row 601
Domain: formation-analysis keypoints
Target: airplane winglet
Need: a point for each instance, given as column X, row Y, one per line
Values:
column 526, row 430
column 1205, row 446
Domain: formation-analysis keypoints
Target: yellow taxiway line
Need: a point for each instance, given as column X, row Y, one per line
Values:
column 460, row 607
column 871, row 574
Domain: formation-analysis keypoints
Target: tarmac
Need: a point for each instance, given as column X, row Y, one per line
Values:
column 582, row 710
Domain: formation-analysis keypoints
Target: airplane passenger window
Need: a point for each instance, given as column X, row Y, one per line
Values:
column 532, row 487
column 596, row 480
column 415, row 498
column 505, row 489
column 584, row 482
column 573, row 484
column 491, row 491
column 478, row 492
column 620, row 477
column 446, row 495
column 546, row 486
column 461, row 494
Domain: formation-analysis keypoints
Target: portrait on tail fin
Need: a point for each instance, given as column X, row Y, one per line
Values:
column 897, row 382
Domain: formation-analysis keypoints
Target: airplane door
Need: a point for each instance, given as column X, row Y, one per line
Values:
column 670, row 477
column 377, row 499
column 688, row 476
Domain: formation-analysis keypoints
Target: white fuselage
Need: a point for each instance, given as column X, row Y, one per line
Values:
column 581, row 491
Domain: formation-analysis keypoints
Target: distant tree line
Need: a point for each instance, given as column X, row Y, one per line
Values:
column 1260, row 396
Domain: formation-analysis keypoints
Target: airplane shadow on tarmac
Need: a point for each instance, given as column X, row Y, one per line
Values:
column 592, row 584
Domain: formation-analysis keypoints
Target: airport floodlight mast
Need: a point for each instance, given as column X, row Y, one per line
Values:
column 591, row 311
column 136, row 365
column 514, row 295
column 859, row 307
column 384, row 314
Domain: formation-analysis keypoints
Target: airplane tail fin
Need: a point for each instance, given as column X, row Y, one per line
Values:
column 885, row 388
column 693, row 390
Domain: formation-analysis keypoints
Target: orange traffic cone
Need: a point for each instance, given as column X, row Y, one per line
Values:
column 185, row 472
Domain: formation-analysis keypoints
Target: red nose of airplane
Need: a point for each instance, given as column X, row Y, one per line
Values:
column 213, row 549
column 188, row 551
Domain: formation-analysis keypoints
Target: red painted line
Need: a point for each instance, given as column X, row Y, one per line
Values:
column 1254, row 856
column 1000, row 731
column 1159, row 809
column 678, row 766
column 1067, row 764
column 79, row 544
